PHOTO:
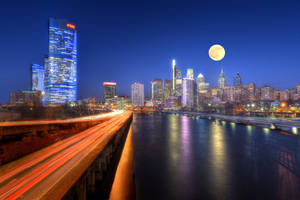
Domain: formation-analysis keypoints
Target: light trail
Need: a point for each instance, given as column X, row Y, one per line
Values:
column 21, row 176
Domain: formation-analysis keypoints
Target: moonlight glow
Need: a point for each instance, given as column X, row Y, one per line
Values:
column 216, row 52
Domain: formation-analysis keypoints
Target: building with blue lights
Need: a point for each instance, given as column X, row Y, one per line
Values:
column 37, row 78
column 61, row 64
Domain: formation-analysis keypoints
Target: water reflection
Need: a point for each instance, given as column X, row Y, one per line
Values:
column 219, row 168
column 173, row 138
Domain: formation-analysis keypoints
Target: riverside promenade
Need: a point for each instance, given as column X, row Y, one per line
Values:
column 290, row 125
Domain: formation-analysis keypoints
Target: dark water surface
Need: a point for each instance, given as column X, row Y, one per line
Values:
column 181, row 157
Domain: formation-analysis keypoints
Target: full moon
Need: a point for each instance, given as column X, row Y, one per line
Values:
column 216, row 52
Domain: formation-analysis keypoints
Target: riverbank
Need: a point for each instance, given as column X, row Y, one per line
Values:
column 290, row 125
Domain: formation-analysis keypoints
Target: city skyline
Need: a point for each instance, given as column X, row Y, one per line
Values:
column 257, row 56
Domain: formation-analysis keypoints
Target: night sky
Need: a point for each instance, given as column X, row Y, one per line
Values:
column 128, row 41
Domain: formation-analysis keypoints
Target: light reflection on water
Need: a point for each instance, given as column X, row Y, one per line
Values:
column 179, row 157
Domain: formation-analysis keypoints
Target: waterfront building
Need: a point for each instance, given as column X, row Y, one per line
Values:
column 188, row 92
column 137, row 94
column 267, row 93
column 173, row 76
column 178, row 83
column 190, row 73
column 157, row 90
column 222, row 80
column 30, row 98
column 202, row 90
column 61, row 65
column 237, row 80
column 37, row 78
column 110, row 90
column 229, row 94
column 167, row 90
column 251, row 91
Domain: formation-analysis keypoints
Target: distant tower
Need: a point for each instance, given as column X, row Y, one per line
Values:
column 37, row 78
column 188, row 92
column 222, row 80
column 137, row 94
column 190, row 73
column 109, row 90
column 173, row 75
column 237, row 80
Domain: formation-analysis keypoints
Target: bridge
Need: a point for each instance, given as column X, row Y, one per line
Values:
column 69, row 168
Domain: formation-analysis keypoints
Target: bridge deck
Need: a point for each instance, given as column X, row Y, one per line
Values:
column 50, row 172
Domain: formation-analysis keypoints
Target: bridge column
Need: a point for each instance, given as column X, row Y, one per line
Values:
column 91, row 179
column 81, row 188
column 98, row 170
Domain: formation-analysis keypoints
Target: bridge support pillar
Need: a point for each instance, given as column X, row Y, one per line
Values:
column 81, row 189
column 91, row 180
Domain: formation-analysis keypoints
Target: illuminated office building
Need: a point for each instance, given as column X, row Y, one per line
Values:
column 167, row 89
column 188, row 92
column 61, row 64
column 173, row 75
column 157, row 90
column 178, row 83
column 237, row 80
column 110, row 90
column 190, row 73
column 37, row 78
column 137, row 94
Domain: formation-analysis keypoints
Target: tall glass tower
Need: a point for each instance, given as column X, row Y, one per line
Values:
column 222, row 80
column 61, row 64
column 238, row 80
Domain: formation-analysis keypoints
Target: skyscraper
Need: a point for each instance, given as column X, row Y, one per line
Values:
column 222, row 80
column 188, row 92
column 61, row 65
column 237, row 80
column 178, row 83
column 137, row 94
column 190, row 73
column 157, row 89
column 37, row 78
column 167, row 89
column 110, row 90
column 173, row 75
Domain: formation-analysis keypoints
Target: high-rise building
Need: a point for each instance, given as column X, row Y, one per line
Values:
column 237, row 80
column 222, row 80
column 251, row 90
column 202, row 89
column 137, row 94
column 267, row 93
column 37, row 78
column 157, row 90
column 178, row 83
column 32, row 98
column 190, row 73
column 173, row 75
column 167, row 89
column 61, row 65
column 188, row 92
column 110, row 90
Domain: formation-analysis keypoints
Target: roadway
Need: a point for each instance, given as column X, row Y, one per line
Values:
column 50, row 172
column 60, row 121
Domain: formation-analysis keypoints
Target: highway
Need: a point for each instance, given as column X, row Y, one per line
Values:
column 50, row 172
column 71, row 120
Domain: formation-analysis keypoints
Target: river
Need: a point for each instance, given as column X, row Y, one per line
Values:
column 183, row 157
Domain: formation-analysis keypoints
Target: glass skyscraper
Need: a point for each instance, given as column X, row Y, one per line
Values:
column 109, row 90
column 37, row 78
column 61, row 64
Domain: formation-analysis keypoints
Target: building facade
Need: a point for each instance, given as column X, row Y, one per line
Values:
column 137, row 94
column 61, row 65
column 222, row 80
column 37, row 78
column 30, row 98
column 110, row 90
column 187, row 93
column 237, row 80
